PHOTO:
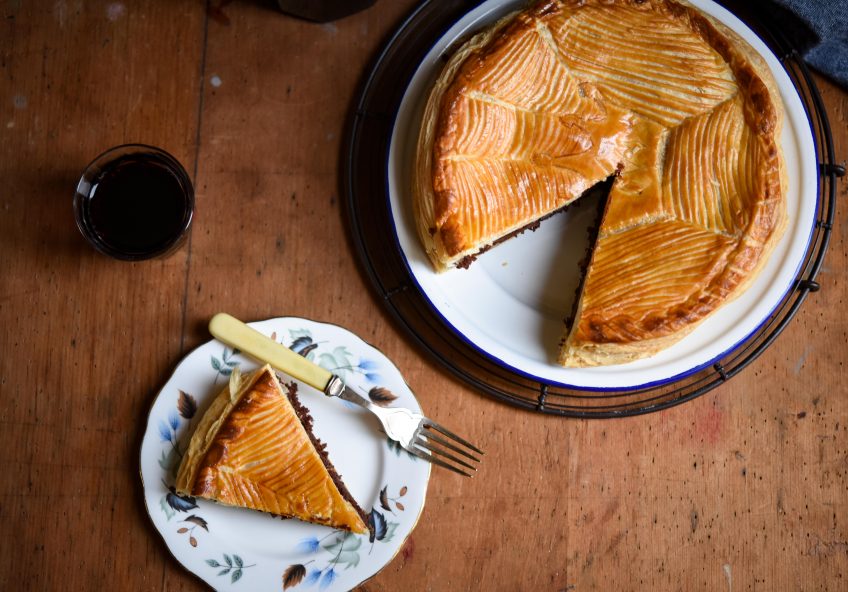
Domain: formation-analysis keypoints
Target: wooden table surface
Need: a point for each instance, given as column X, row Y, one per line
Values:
column 745, row 488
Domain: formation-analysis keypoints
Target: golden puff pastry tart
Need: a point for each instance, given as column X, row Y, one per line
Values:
column 676, row 108
column 254, row 448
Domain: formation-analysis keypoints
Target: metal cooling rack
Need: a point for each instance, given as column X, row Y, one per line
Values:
column 364, row 179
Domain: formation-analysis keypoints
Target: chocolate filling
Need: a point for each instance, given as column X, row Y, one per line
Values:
column 306, row 419
column 466, row 261
column 601, row 191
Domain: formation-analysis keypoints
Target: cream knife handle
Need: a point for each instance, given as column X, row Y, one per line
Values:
column 238, row 335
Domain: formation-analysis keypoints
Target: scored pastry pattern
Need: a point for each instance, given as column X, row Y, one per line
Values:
column 572, row 93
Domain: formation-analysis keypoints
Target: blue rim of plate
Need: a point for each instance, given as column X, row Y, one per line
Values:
column 366, row 135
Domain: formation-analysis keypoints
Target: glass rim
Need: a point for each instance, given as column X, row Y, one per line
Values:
column 83, row 192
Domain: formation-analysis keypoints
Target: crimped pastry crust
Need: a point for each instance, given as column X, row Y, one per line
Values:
column 550, row 100
column 254, row 449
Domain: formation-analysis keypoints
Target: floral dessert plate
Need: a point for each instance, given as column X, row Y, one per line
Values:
column 237, row 549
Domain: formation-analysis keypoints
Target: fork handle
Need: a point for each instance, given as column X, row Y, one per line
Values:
column 236, row 334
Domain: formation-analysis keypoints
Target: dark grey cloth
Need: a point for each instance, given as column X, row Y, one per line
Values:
column 826, row 49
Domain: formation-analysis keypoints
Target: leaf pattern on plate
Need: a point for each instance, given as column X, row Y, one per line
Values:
column 224, row 366
column 395, row 447
column 233, row 566
column 179, row 503
column 186, row 405
column 381, row 396
column 173, row 503
column 303, row 345
column 314, row 576
column 293, row 575
column 386, row 501
column 337, row 359
column 378, row 525
column 197, row 521
column 328, row 578
column 344, row 548
column 194, row 521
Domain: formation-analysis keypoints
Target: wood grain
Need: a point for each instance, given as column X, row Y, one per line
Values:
column 742, row 489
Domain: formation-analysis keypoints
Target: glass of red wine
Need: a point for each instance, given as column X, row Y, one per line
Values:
column 134, row 202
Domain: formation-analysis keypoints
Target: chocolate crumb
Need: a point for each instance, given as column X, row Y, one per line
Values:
column 466, row 261
column 306, row 419
column 605, row 187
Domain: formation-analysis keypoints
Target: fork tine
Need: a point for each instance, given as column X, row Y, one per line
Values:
column 430, row 447
column 450, row 434
column 432, row 459
column 431, row 435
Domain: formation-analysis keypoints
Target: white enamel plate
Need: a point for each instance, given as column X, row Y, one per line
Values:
column 237, row 549
column 510, row 303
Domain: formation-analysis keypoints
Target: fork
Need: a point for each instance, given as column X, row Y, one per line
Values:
column 420, row 436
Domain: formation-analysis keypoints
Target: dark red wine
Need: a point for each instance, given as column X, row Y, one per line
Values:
column 138, row 205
